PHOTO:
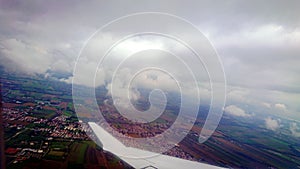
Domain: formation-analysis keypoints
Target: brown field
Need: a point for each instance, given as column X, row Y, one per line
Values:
column 49, row 108
column 29, row 104
column 63, row 105
column 10, row 105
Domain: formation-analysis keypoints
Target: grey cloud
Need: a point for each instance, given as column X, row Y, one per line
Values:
column 259, row 69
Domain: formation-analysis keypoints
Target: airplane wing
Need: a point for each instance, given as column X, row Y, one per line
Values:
column 153, row 160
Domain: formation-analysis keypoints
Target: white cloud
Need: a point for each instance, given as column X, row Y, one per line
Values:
column 236, row 111
column 295, row 129
column 264, row 100
column 22, row 56
column 30, row 57
column 267, row 105
column 272, row 124
column 280, row 106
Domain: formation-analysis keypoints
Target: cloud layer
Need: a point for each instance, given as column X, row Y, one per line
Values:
column 258, row 43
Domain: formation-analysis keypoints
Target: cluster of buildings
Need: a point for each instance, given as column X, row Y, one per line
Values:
column 123, row 126
column 55, row 129
column 62, row 128
column 177, row 152
column 59, row 126
column 16, row 118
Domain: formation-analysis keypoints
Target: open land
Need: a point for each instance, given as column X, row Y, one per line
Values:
column 42, row 131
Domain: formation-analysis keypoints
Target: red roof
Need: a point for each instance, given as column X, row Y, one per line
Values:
column 11, row 151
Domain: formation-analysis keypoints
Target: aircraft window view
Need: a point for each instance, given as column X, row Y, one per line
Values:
column 149, row 84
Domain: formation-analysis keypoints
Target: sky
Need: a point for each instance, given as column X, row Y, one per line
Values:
column 257, row 42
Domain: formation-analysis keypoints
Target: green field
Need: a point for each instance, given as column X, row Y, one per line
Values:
column 59, row 145
column 56, row 155
column 46, row 114
column 77, row 152
column 68, row 113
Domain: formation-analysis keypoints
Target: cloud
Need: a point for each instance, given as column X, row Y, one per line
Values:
column 295, row 129
column 267, row 105
column 24, row 57
column 264, row 100
column 272, row 124
column 257, row 44
column 236, row 111
column 280, row 106
column 250, row 50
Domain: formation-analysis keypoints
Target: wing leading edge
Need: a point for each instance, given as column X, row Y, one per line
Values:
column 153, row 160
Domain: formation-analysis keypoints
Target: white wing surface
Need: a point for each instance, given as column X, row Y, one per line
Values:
column 153, row 160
